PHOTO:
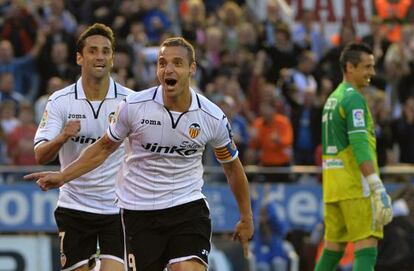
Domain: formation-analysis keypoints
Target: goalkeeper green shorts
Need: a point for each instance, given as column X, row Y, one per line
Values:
column 350, row 221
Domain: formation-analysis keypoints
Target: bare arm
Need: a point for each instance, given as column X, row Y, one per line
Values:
column 47, row 152
column 39, row 43
column 90, row 158
column 367, row 168
column 240, row 187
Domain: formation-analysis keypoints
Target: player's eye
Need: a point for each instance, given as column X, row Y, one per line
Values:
column 178, row 63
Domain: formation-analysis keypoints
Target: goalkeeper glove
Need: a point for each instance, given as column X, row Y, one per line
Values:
column 382, row 201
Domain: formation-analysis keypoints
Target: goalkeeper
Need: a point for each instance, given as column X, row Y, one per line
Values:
column 356, row 203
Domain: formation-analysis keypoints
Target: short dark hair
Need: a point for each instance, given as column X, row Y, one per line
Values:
column 95, row 29
column 180, row 41
column 352, row 53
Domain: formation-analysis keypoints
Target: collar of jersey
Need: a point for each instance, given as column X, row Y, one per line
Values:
column 348, row 86
column 195, row 103
column 80, row 93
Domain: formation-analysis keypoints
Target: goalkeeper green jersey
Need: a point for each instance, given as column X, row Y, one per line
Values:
column 348, row 140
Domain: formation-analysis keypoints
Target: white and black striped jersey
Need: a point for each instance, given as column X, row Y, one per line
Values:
column 94, row 191
column 164, row 167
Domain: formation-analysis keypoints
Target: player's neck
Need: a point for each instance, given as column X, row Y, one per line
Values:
column 95, row 89
column 351, row 82
column 179, row 103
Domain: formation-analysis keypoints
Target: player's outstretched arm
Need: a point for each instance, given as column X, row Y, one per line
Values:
column 90, row 158
column 240, row 187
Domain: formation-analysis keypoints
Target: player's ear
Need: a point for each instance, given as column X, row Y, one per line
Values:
column 79, row 59
column 349, row 67
column 193, row 68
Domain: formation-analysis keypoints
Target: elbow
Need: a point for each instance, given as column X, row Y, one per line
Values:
column 41, row 159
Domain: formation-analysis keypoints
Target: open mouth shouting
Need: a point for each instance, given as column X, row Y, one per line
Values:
column 100, row 66
column 170, row 82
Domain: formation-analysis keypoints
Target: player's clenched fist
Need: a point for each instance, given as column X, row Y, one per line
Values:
column 382, row 201
column 72, row 127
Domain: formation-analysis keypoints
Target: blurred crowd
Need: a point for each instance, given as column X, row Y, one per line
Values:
column 269, row 68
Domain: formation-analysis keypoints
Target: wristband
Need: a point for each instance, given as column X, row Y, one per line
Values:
column 375, row 183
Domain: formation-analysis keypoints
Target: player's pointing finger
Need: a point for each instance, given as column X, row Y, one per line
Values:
column 33, row 176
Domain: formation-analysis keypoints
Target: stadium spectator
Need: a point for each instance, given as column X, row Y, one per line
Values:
column 257, row 83
column 394, row 252
column 270, row 13
column 403, row 132
column 400, row 54
column 127, row 13
column 23, row 69
column 247, row 37
column 4, row 160
column 88, row 12
column 298, row 80
column 53, row 84
column 300, row 90
column 8, row 116
column 329, row 63
column 56, row 33
column 155, row 20
column 272, row 139
column 268, row 248
column 58, row 65
column 381, row 115
column 210, row 60
column 306, row 128
column 325, row 87
column 377, row 40
column 20, row 140
column 122, row 71
column 20, row 28
column 283, row 54
column 145, row 56
column 308, row 36
column 56, row 8
column 230, row 19
column 394, row 14
column 399, row 66
column 238, row 123
column 194, row 23
column 8, row 90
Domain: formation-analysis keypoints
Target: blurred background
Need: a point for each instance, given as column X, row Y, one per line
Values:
column 269, row 64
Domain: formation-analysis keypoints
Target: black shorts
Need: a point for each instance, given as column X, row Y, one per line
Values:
column 157, row 238
column 79, row 233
